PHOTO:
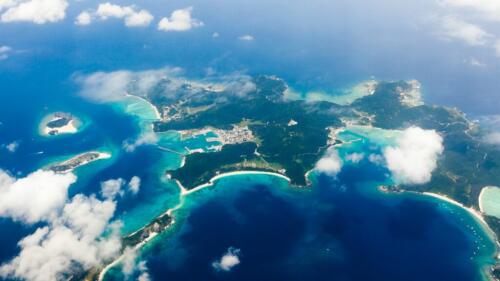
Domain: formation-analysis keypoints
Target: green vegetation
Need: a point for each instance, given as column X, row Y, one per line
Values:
column 57, row 123
column 466, row 165
column 201, row 167
column 292, row 148
column 295, row 149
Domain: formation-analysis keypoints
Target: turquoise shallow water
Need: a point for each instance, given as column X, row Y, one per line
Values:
column 336, row 228
column 340, row 227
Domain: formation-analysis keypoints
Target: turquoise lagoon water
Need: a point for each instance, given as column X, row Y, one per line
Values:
column 341, row 229
column 338, row 229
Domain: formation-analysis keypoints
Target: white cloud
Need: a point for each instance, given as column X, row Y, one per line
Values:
column 132, row 16
column 105, row 86
column 129, row 261
column 36, row 11
column 493, row 138
column 414, row 158
column 215, row 35
column 497, row 48
column 108, row 10
column 330, row 164
column 113, row 86
column 35, row 197
column 246, row 37
column 486, row 9
column 112, row 188
column 144, row 139
column 141, row 18
column 376, row 159
column 180, row 20
column 453, row 28
column 134, row 184
column 4, row 52
column 355, row 157
column 71, row 241
column 229, row 260
column 6, row 4
column 84, row 18
column 144, row 272
column 475, row 62
column 12, row 147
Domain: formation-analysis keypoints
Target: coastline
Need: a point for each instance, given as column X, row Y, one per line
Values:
column 103, row 272
column 183, row 192
column 478, row 216
column 100, row 156
column 156, row 111
column 74, row 125
column 137, row 247
column 480, row 203
column 475, row 213
column 212, row 181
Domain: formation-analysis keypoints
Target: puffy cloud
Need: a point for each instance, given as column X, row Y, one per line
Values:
column 414, row 158
column 246, row 37
column 144, row 139
column 229, row 260
column 12, row 147
column 6, row 3
column 376, row 159
column 129, row 265
column 453, row 28
column 134, row 184
column 141, row 18
column 72, row 241
column 330, row 164
column 113, row 86
column 105, row 86
column 35, row 197
column 108, row 10
column 492, row 124
column 36, row 11
column 144, row 276
column 132, row 16
column 180, row 20
column 239, row 85
column 84, row 18
column 129, row 261
column 492, row 138
column 112, row 188
column 355, row 157
column 4, row 52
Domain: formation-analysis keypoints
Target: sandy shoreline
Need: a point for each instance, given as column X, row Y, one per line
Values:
column 481, row 194
column 100, row 155
column 157, row 112
column 475, row 213
column 72, row 127
column 69, row 128
column 212, row 181
column 120, row 258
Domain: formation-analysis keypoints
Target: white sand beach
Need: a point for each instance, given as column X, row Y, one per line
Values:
column 185, row 191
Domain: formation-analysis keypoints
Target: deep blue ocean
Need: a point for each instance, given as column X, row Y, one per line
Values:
column 339, row 229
